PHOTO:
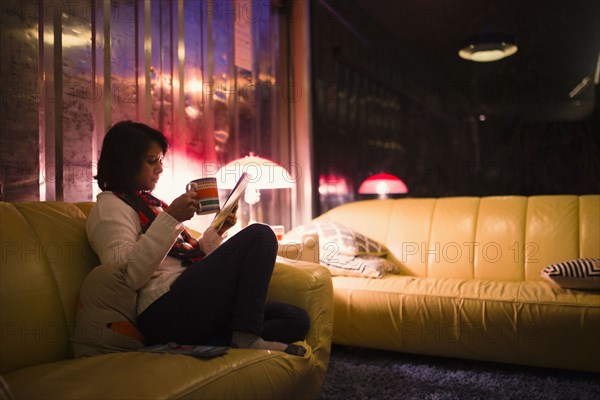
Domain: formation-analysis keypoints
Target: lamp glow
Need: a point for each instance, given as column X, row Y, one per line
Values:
column 382, row 185
column 382, row 188
column 262, row 174
column 488, row 47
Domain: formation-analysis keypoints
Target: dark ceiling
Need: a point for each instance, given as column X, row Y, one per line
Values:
column 558, row 48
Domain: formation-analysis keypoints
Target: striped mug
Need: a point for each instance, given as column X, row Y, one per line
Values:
column 208, row 194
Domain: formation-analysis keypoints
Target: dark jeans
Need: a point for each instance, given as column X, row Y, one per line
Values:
column 225, row 292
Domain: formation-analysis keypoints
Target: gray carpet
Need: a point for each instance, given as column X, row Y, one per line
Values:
column 356, row 373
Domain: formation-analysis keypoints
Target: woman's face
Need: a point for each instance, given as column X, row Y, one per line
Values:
column 151, row 169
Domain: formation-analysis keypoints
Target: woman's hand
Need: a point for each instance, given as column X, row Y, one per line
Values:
column 184, row 207
column 229, row 222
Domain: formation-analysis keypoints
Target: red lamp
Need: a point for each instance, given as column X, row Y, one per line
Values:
column 382, row 185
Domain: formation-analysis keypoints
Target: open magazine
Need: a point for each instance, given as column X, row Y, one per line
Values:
column 231, row 202
column 191, row 350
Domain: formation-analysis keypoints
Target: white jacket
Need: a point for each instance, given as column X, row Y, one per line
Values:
column 114, row 232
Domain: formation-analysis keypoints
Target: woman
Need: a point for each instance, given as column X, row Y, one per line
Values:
column 188, row 291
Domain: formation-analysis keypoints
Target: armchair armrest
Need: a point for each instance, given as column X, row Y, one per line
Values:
column 307, row 285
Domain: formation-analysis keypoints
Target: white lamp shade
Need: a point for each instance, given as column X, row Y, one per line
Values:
column 262, row 173
column 489, row 47
column 382, row 184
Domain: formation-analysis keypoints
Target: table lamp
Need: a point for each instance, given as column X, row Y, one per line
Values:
column 382, row 185
column 262, row 174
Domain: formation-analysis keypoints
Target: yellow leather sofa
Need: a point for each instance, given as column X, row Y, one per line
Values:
column 469, row 285
column 46, row 256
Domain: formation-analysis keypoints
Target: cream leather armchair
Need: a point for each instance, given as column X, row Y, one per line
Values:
column 46, row 256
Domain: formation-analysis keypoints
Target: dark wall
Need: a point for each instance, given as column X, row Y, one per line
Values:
column 371, row 115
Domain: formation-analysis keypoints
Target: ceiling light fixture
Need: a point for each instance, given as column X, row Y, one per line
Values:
column 488, row 47
column 580, row 86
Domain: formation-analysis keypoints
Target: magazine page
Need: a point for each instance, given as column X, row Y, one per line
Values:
column 191, row 350
column 231, row 202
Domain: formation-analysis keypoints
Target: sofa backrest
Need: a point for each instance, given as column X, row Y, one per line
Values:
column 508, row 238
column 45, row 257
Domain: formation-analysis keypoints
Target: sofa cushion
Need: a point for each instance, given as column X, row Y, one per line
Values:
column 582, row 273
column 528, row 323
column 140, row 375
column 106, row 326
column 45, row 257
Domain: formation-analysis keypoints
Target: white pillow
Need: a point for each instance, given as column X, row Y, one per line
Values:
column 348, row 241
column 361, row 266
column 582, row 273
column 347, row 252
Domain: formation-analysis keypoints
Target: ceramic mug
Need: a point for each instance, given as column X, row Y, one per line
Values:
column 278, row 230
column 208, row 194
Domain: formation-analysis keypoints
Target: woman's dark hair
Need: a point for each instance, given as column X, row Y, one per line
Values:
column 123, row 152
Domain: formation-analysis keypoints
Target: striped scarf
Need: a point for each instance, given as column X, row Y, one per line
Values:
column 185, row 247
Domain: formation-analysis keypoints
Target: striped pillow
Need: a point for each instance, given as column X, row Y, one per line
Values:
column 361, row 266
column 347, row 252
column 583, row 273
column 345, row 240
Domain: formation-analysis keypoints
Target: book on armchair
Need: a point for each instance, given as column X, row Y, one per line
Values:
column 190, row 350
